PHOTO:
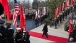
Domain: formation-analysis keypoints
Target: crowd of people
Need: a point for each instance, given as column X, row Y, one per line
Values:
column 62, row 16
column 37, row 21
column 7, row 34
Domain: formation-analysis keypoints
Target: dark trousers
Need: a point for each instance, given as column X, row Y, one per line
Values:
column 27, row 41
column 45, row 33
column 60, row 20
column 55, row 25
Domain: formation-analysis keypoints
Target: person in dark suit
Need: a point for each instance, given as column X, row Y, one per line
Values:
column 45, row 30
column 3, row 32
column 72, row 37
column 18, row 36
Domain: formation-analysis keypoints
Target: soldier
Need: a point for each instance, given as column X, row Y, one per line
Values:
column 55, row 23
column 10, row 35
column 45, row 30
column 9, row 32
column 63, row 15
column 26, row 37
column 3, row 32
column 8, row 25
column 36, row 22
column 18, row 36
column 60, row 18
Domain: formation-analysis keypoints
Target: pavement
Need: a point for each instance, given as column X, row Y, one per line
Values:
column 59, row 32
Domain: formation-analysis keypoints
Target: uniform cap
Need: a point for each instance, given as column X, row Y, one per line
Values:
column 24, row 31
column 18, row 28
column 2, row 21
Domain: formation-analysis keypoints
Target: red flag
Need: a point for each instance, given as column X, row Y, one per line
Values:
column 60, row 8
column 56, row 12
column 63, row 6
column 75, row 1
column 22, row 19
column 67, row 3
column 6, row 8
column 72, row 2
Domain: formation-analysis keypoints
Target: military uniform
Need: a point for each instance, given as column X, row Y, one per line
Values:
column 36, row 22
column 63, row 16
column 26, row 37
column 3, row 32
column 10, row 35
column 60, row 18
column 55, row 23
column 18, row 36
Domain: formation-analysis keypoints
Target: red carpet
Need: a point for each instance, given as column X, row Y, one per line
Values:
column 50, row 37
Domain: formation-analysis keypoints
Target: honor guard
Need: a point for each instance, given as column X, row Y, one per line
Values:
column 3, row 32
column 10, row 35
column 26, row 37
column 18, row 36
